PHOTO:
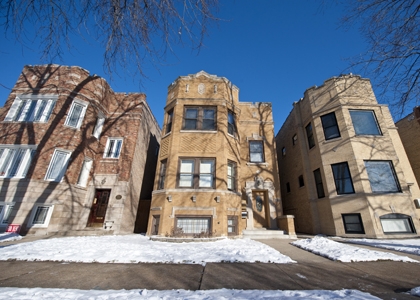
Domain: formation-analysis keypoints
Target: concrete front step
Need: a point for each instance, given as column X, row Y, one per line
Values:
column 263, row 233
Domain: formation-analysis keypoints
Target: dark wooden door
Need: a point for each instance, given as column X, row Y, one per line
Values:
column 99, row 206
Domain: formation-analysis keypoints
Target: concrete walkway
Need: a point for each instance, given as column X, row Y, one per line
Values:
column 384, row 279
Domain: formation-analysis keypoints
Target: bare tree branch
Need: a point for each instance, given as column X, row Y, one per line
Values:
column 392, row 31
column 127, row 29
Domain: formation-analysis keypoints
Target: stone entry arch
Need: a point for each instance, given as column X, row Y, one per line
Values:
column 266, row 218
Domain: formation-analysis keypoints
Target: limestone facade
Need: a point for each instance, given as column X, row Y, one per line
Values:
column 343, row 169
column 217, row 171
column 73, row 153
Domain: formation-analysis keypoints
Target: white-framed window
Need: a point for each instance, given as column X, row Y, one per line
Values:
column 15, row 160
column 31, row 108
column 5, row 211
column 194, row 225
column 231, row 176
column 196, row 172
column 76, row 114
column 99, row 124
column 256, row 151
column 84, row 172
column 113, row 148
column 41, row 215
column 58, row 165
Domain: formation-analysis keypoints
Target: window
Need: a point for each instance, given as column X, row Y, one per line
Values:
column 256, row 151
column 231, row 123
column 15, row 160
column 301, row 182
column 155, row 224
column 283, row 151
column 5, row 212
column 98, row 127
column 193, row 225
column 58, row 165
column 288, row 187
column 196, row 173
column 162, row 175
column 31, row 109
column 76, row 114
column 84, row 172
column 169, row 121
column 232, row 226
column 200, row 118
column 342, row 178
column 330, row 126
column 231, row 176
column 364, row 122
column 41, row 215
column 397, row 223
column 310, row 136
column 353, row 223
column 113, row 148
column 294, row 140
column 382, row 176
column 318, row 183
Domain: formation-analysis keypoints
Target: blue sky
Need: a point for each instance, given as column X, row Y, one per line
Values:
column 271, row 50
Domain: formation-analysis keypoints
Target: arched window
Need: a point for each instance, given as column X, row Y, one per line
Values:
column 397, row 223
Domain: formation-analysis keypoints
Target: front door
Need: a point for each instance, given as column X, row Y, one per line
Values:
column 259, row 210
column 99, row 206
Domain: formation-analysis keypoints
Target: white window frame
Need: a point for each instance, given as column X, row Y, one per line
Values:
column 15, row 160
column 63, row 167
column 31, row 108
column 6, row 209
column 99, row 124
column 111, row 153
column 47, row 217
column 84, row 172
column 84, row 105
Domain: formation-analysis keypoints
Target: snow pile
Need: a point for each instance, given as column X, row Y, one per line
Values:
column 137, row 248
column 220, row 294
column 345, row 253
column 9, row 237
column 415, row 292
column 411, row 246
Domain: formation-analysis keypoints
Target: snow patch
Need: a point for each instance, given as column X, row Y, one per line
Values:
column 345, row 253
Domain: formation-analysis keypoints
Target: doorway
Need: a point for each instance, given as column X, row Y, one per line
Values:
column 259, row 209
column 99, row 207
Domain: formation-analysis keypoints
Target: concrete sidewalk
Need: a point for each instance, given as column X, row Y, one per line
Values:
column 385, row 279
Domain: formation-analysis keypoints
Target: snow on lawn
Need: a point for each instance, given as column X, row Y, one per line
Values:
column 138, row 248
column 415, row 291
column 345, row 253
column 221, row 294
column 411, row 246
column 8, row 237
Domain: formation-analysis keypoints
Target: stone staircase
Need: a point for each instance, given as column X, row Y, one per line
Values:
column 264, row 233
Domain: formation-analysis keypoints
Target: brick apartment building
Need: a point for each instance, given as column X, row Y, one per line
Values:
column 74, row 155
column 409, row 130
column 217, row 171
column 343, row 168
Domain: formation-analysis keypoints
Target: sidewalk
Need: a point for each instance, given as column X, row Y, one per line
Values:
column 385, row 279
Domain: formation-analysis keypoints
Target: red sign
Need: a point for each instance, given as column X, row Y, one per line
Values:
column 13, row 228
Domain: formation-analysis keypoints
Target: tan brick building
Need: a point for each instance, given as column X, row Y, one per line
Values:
column 409, row 130
column 73, row 154
column 343, row 169
column 217, row 172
